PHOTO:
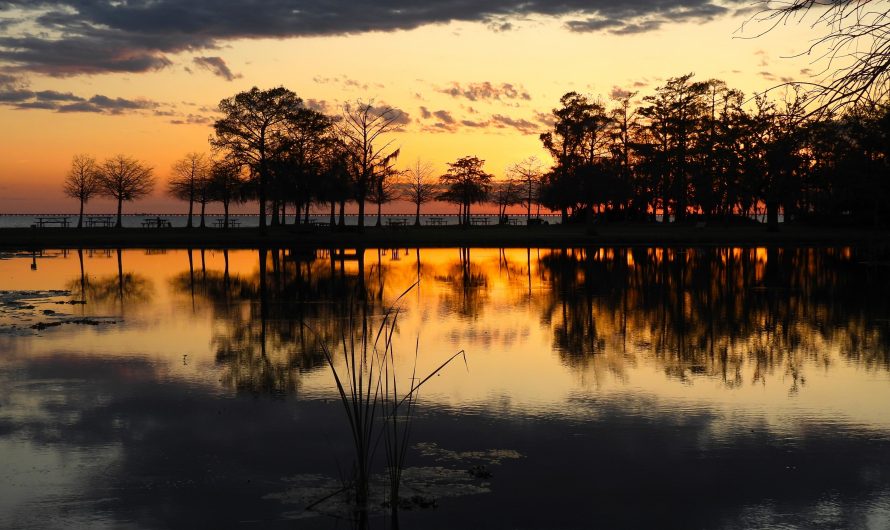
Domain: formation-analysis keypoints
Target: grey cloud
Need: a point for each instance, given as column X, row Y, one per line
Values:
column 522, row 125
column 319, row 105
column 192, row 119
column 444, row 116
column 71, row 37
column 14, row 95
column 485, row 91
column 217, row 66
column 52, row 95
column 638, row 16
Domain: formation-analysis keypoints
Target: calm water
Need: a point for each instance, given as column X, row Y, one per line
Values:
column 648, row 388
column 245, row 220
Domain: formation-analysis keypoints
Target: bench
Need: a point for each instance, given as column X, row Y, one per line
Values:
column 43, row 222
column 156, row 222
column 105, row 221
column 479, row 220
column 396, row 222
column 435, row 221
column 220, row 222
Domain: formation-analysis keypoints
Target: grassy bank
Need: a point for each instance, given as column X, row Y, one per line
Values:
column 556, row 236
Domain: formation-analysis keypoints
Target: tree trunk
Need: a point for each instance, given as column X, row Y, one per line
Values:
column 306, row 215
column 203, row 205
column 226, row 214
column 80, row 218
column 772, row 215
column 333, row 213
column 417, row 215
column 262, row 195
column 188, row 223
column 379, row 214
column 119, row 209
column 361, row 213
column 342, row 221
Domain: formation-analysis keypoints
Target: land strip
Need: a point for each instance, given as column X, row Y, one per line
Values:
column 555, row 236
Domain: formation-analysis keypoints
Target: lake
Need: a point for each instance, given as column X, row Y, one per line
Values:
column 603, row 387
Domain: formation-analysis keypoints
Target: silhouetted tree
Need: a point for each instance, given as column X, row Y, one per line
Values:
column 362, row 128
column 529, row 173
column 467, row 182
column 189, row 182
column 82, row 181
column 383, row 188
column 125, row 179
column 251, row 131
column 225, row 185
column 419, row 185
column 855, row 43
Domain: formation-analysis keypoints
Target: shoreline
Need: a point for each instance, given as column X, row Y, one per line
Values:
column 552, row 236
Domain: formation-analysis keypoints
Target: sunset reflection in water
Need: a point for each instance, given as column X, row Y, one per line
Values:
column 755, row 340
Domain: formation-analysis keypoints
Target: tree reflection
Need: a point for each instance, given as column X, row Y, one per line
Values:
column 468, row 284
column 112, row 292
column 260, row 334
column 710, row 311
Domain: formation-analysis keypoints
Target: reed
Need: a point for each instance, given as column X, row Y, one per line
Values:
column 376, row 406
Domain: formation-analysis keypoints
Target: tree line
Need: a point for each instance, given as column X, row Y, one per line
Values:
column 692, row 150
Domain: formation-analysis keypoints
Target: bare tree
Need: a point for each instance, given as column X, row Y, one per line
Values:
column 189, row 182
column 125, row 179
column 225, row 185
column 362, row 128
column 529, row 172
column 420, row 186
column 506, row 193
column 383, row 189
column 854, row 46
column 82, row 181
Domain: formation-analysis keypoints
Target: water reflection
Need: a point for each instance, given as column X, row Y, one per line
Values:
column 654, row 386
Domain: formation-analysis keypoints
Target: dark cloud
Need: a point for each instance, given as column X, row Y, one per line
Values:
column 70, row 37
column 217, row 66
column 522, row 125
column 486, row 91
column 193, row 119
column 319, row 105
column 52, row 95
column 444, row 116
column 637, row 16
column 443, row 120
column 15, row 93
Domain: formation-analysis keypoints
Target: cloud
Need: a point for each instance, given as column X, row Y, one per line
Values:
column 15, row 93
column 319, row 105
column 443, row 120
column 73, row 37
column 522, row 125
column 638, row 16
column 217, row 66
column 486, row 91
column 193, row 119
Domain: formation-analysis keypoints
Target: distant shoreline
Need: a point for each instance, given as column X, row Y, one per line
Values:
column 553, row 236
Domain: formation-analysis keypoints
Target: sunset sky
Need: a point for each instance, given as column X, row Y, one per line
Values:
column 473, row 78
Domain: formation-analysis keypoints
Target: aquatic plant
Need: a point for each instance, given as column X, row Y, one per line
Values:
column 375, row 407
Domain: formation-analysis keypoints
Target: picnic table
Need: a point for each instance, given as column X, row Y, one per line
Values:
column 436, row 221
column 515, row 221
column 54, row 220
column 104, row 221
column 220, row 222
column 396, row 222
column 156, row 222
column 479, row 220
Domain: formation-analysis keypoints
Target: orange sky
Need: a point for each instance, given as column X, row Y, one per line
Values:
column 483, row 90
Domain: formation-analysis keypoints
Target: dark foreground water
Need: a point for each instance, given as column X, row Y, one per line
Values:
column 610, row 388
